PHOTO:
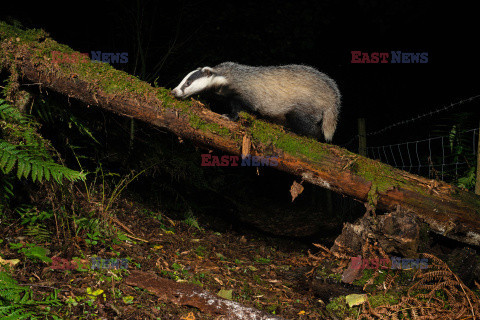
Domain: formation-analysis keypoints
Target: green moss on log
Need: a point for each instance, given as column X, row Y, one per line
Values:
column 271, row 134
column 40, row 47
column 198, row 123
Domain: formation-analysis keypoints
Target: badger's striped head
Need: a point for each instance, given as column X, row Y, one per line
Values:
column 197, row 81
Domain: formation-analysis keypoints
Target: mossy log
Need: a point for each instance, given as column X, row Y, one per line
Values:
column 447, row 209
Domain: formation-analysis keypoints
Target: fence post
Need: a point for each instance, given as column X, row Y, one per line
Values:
column 477, row 181
column 362, row 137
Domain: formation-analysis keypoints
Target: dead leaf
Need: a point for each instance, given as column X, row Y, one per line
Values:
column 355, row 299
column 225, row 294
column 11, row 262
column 353, row 272
column 274, row 281
column 220, row 256
column 252, row 268
column 189, row 316
column 296, row 189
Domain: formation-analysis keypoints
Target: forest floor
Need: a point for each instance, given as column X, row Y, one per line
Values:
column 279, row 276
column 265, row 273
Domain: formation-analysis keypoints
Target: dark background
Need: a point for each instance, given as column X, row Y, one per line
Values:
column 165, row 40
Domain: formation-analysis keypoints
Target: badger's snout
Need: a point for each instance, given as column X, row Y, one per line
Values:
column 177, row 93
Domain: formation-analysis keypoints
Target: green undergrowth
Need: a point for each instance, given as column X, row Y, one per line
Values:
column 21, row 302
column 338, row 306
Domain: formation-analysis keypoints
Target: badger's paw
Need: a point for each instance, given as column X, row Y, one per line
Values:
column 231, row 117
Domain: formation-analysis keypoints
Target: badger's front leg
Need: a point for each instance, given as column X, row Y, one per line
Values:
column 235, row 108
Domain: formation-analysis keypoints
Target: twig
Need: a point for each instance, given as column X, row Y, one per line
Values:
column 466, row 295
column 135, row 238
column 41, row 286
column 128, row 230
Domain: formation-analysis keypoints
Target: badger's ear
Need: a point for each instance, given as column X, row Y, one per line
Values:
column 208, row 71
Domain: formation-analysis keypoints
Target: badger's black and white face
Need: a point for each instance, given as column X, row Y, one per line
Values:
column 198, row 81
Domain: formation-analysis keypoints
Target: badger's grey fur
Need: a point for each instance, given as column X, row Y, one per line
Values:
column 297, row 96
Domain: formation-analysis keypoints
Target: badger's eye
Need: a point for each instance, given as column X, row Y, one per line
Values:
column 189, row 82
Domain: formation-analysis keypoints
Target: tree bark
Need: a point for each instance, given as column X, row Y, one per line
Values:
column 190, row 295
column 447, row 209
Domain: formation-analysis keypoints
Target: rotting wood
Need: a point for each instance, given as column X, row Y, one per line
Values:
column 190, row 295
column 448, row 210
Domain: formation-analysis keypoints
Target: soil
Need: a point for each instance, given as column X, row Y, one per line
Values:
column 271, row 274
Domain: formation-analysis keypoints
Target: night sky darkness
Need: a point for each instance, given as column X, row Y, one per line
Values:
column 183, row 35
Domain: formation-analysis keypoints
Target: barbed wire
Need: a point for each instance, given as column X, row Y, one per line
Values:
column 444, row 108
column 418, row 117
column 421, row 140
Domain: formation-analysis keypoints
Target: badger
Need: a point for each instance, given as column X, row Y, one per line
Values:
column 296, row 96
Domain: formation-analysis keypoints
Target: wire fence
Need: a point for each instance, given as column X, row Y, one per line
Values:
column 421, row 116
column 447, row 157
column 354, row 140
column 444, row 157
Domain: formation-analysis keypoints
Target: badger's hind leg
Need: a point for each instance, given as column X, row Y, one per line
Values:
column 303, row 123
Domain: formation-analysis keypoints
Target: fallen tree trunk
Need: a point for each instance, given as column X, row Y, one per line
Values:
column 190, row 295
column 447, row 209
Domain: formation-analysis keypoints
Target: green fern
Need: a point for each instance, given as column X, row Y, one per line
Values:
column 36, row 222
column 16, row 301
column 18, row 126
column 40, row 233
column 28, row 151
column 6, row 191
column 32, row 163
column 33, row 252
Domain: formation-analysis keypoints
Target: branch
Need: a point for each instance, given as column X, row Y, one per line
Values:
column 194, row 296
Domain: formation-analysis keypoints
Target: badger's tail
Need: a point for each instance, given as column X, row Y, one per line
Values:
column 329, row 122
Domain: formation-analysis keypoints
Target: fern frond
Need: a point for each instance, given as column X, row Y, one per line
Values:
column 34, row 164
column 16, row 301
column 6, row 189
column 12, row 114
column 39, row 232
column 28, row 150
